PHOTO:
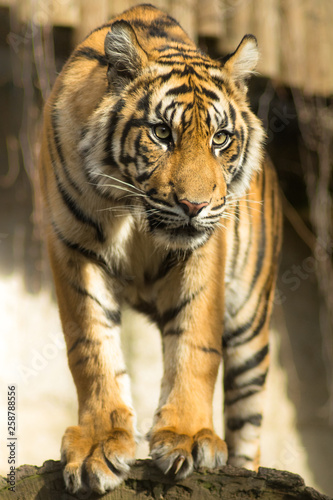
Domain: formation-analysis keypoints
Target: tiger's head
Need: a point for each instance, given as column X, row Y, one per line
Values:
column 175, row 128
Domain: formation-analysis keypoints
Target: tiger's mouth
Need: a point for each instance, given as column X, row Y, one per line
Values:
column 181, row 235
column 187, row 230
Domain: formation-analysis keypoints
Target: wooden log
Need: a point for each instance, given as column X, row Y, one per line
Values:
column 64, row 13
column 53, row 12
column 319, row 21
column 185, row 13
column 116, row 7
column 92, row 14
column 146, row 482
column 265, row 26
column 293, row 47
column 210, row 18
column 329, row 42
column 237, row 21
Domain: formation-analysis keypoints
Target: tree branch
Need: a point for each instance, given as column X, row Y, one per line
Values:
column 146, row 482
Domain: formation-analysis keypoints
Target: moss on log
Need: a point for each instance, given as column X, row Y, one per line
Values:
column 146, row 482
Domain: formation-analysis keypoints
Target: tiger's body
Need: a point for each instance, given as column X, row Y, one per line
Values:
column 157, row 195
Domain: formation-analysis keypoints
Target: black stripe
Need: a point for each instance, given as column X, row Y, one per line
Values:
column 114, row 316
column 180, row 73
column 237, row 423
column 88, row 254
column 83, row 340
column 178, row 57
column 209, row 93
column 257, row 330
column 236, row 246
column 232, row 168
column 158, row 28
column 186, row 124
column 239, row 397
column 253, row 362
column 126, row 158
column 87, row 358
column 246, row 256
column 161, row 319
column 218, row 81
column 231, row 336
column 140, row 150
column 179, row 54
column 143, row 103
column 217, row 207
column 77, row 212
column 173, row 312
column 162, row 202
column 173, row 62
column 208, row 120
column 209, row 350
column 172, row 117
column 247, row 147
column 262, row 244
column 56, row 138
column 161, row 79
column 146, row 175
column 221, row 119
column 212, row 218
column 181, row 89
column 172, row 106
column 151, row 192
column 90, row 53
column 235, row 156
column 169, row 262
column 147, row 308
column 261, row 250
column 232, row 114
column 258, row 381
column 173, row 331
column 237, row 175
column 165, row 48
column 109, row 158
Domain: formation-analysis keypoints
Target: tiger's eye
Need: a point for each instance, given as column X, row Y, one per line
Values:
column 220, row 138
column 163, row 132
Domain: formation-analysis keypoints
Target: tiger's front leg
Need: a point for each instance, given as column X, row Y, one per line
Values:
column 98, row 451
column 183, row 437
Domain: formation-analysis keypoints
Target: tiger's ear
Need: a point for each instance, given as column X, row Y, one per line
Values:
column 124, row 54
column 241, row 63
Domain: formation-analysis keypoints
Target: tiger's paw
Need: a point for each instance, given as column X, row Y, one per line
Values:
column 97, row 465
column 178, row 454
column 172, row 453
column 209, row 450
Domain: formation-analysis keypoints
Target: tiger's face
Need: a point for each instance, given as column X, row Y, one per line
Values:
column 183, row 136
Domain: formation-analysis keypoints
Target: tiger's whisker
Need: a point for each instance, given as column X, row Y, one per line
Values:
column 119, row 180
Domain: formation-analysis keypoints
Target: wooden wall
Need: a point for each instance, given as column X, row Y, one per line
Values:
column 295, row 36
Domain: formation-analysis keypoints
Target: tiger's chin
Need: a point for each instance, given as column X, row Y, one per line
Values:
column 184, row 238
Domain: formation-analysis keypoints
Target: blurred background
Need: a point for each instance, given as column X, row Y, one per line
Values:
column 292, row 94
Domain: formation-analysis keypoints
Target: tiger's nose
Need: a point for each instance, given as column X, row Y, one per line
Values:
column 192, row 209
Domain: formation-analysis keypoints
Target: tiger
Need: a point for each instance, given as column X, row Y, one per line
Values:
column 158, row 196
